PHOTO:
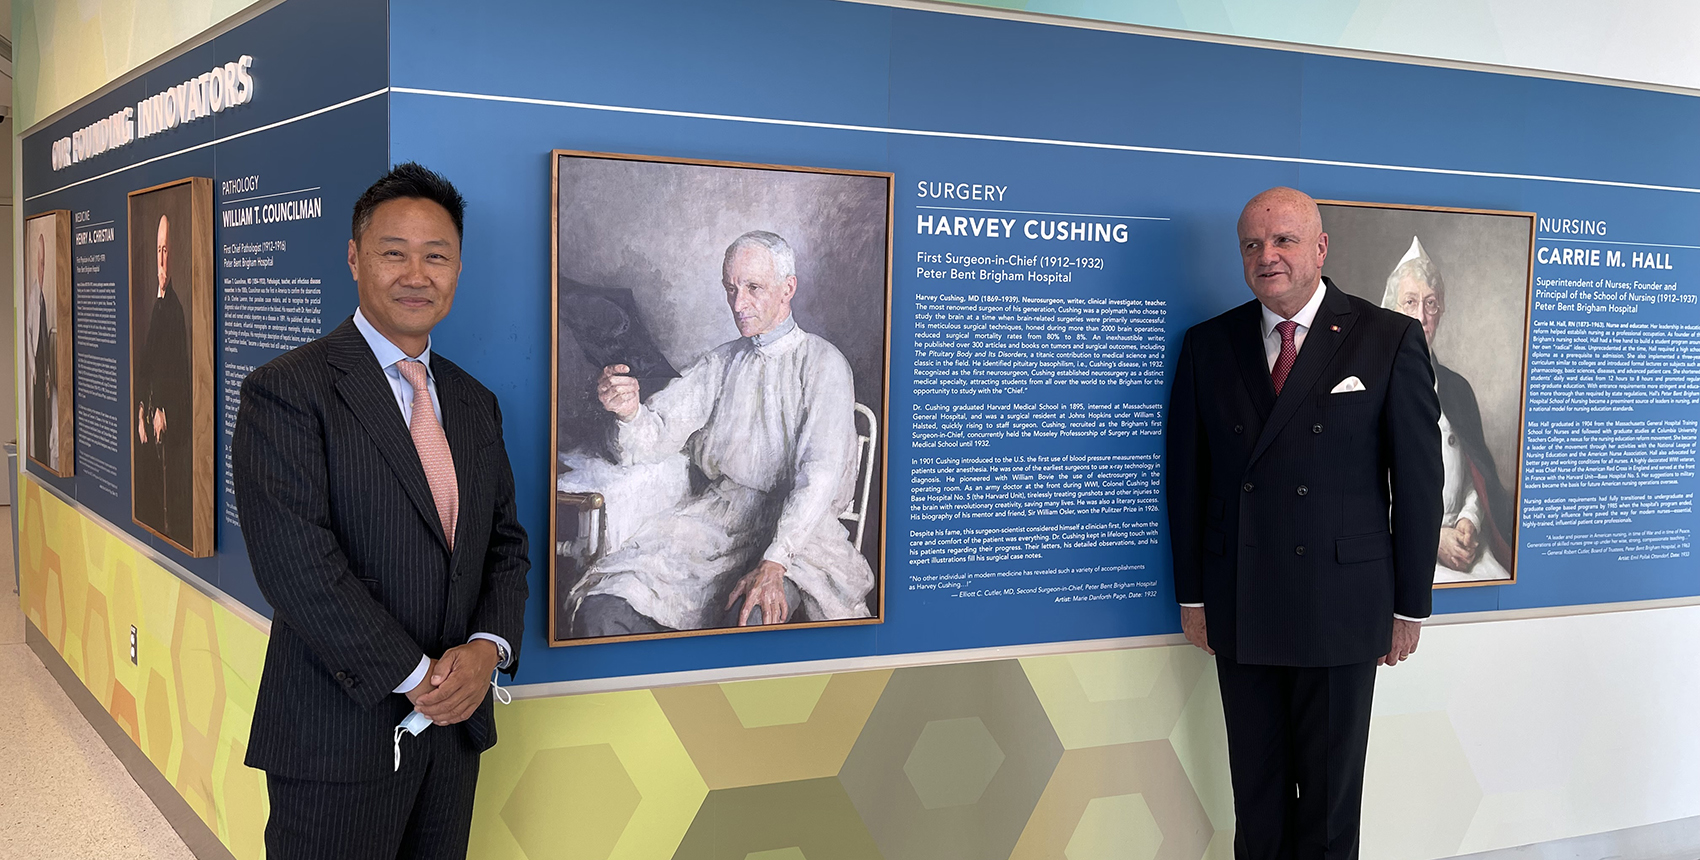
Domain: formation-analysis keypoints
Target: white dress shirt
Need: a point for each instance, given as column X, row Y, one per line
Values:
column 1272, row 351
column 1305, row 316
column 389, row 358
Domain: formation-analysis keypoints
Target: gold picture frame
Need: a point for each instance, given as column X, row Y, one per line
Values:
column 1481, row 361
column 49, row 379
column 683, row 221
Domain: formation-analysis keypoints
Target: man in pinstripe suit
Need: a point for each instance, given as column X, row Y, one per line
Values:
column 378, row 506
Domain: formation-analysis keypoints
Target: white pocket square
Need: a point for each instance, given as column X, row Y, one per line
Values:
column 1350, row 383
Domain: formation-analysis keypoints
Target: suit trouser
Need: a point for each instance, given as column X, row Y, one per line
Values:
column 1296, row 744
column 422, row 811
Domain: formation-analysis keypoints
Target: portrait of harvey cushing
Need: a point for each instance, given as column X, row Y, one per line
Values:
column 1465, row 275
column 720, row 383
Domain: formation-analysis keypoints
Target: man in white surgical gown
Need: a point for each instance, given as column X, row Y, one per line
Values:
column 1477, row 525
column 769, row 421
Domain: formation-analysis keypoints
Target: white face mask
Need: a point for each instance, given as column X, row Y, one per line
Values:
column 413, row 725
column 417, row 722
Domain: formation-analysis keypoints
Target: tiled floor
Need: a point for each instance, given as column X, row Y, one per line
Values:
column 62, row 792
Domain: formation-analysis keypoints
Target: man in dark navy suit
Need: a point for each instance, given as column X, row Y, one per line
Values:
column 378, row 506
column 1304, row 507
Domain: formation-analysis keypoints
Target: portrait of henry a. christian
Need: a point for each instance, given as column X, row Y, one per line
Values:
column 48, row 406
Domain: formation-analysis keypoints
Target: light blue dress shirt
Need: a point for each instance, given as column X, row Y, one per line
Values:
column 389, row 358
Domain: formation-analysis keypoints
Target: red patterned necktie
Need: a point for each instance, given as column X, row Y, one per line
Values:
column 433, row 449
column 1284, row 361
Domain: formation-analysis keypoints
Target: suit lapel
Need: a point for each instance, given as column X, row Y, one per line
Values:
column 367, row 393
column 1328, row 330
column 1254, row 364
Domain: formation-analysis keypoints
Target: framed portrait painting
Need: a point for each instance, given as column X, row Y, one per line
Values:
column 170, row 420
column 1466, row 275
column 720, row 366
column 49, row 396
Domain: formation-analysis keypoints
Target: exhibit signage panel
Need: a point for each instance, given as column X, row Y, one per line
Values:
column 1059, row 222
column 207, row 233
column 991, row 235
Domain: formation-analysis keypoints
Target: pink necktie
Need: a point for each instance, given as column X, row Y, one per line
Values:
column 433, row 449
column 1283, row 362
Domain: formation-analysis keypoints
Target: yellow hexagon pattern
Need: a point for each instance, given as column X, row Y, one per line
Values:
column 187, row 700
column 625, row 776
column 858, row 764
column 584, row 790
column 764, row 742
column 638, row 742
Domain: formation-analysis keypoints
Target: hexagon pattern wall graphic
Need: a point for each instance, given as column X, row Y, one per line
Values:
column 583, row 791
column 1114, row 697
column 99, row 672
column 995, row 694
column 1200, row 741
column 199, row 680
column 952, row 762
column 1118, row 826
column 1088, row 756
column 1065, row 815
column 639, row 743
column 775, row 701
column 176, row 703
column 777, row 854
column 765, row 742
column 812, row 818
column 244, row 803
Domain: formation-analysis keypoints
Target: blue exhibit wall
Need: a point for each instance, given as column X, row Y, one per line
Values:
column 1079, row 124
column 1506, row 731
column 314, row 135
column 1167, row 136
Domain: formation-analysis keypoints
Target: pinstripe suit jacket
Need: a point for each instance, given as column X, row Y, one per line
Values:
column 347, row 546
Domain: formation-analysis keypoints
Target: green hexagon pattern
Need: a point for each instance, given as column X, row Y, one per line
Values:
column 997, row 697
column 807, row 820
column 952, row 763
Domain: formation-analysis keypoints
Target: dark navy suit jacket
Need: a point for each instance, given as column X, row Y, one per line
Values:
column 1304, row 522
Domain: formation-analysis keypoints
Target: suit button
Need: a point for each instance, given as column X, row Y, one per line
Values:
column 1239, row 428
column 351, row 682
column 1303, row 489
column 1247, row 486
column 1316, row 428
column 342, row 676
column 1298, row 550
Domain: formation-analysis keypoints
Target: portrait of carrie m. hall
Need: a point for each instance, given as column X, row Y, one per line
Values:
column 1464, row 274
column 720, row 366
